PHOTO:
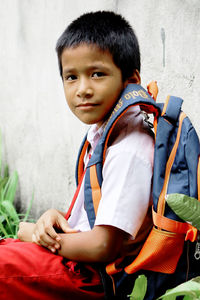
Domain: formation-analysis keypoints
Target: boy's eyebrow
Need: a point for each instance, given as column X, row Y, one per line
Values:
column 89, row 67
column 68, row 70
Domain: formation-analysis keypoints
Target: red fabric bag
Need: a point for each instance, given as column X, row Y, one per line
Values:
column 29, row 271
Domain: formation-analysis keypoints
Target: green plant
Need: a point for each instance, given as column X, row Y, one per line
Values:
column 187, row 208
column 190, row 290
column 139, row 289
column 9, row 218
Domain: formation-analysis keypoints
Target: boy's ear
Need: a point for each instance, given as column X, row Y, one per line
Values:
column 134, row 78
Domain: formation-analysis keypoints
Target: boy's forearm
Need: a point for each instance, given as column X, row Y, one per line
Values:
column 90, row 246
column 79, row 248
column 101, row 244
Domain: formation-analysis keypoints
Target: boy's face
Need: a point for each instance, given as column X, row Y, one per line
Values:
column 92, row 82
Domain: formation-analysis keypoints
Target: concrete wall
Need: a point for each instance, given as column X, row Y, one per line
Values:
column 40, row 135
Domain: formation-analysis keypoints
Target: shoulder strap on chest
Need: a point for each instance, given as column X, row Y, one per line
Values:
column 80, row 163
column 133, row 95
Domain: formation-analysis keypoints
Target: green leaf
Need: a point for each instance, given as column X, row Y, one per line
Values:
column 2, row 219
column 187, row 208
column 10, row 210
column 3, row 230
column 28, row 209
column 191, row 289
column 140, row 288
column 10, row 188
column 6, row 172
column 3, row 183
column 0, row 153
column 9, row 218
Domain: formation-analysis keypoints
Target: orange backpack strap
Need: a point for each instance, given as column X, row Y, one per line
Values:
column 161, row 200
column 80, row 173
column 175, row 226
column 152, row 89
column 80, row 161
column 133, row 95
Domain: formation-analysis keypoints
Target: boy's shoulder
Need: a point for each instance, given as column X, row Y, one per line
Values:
column 132, row 136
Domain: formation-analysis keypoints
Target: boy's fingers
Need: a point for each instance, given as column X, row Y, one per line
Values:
column 46, row 232
column 43, row 238
column 52, row 247
column 52, row 233
column 65, row 226
column 34, row 238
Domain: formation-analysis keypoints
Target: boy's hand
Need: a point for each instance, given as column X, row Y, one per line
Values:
column 45, row 234
column 25, row 231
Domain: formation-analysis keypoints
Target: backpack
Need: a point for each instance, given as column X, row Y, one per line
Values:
column 176, row 170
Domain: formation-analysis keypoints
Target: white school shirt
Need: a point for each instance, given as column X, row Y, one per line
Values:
column 127, row 174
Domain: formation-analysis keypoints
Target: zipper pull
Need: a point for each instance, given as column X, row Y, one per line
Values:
column 197, row 248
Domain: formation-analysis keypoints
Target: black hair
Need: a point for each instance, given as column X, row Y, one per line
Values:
column 110, row 32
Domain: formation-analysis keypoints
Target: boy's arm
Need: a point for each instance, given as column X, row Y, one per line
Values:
column 101, row 244
column 46, row 229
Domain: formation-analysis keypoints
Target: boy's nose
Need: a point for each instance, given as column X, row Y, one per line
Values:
column 84, row 89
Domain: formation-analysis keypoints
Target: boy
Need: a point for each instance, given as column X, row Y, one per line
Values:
column 98, row 57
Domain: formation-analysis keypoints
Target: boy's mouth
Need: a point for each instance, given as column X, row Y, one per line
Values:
column 86, row 105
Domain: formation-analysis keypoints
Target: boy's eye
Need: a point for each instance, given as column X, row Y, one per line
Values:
column 70, row 77
column 98, row 74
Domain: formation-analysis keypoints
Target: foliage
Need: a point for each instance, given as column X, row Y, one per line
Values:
column 189, row 289
column 140, row 288
column 9, row 218
column 187, row 208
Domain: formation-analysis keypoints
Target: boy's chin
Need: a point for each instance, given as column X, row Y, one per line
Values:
column 92, row 122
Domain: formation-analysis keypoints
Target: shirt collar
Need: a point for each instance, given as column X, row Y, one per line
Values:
column 94, row 133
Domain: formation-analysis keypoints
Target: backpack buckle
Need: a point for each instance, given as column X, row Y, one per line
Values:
column 191, row 234
column 197, row 248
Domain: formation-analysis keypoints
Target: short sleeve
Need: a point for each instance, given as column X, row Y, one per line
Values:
column 126, row 188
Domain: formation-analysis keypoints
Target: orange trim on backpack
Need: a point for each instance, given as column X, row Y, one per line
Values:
column 96, row 190
column 149, row 109
column 160, row 253
column 198, row 179
column 81, row 160
column 165, row 106
column 68, row 214
column 155, row 124
column 175, row 226
column 161, row 200
column 81, row 173
column 152, row 89
column 113, row 267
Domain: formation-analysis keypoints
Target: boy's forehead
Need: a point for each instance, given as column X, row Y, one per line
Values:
column 86, row 54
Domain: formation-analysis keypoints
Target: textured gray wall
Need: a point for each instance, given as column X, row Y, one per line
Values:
column 40, row 135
